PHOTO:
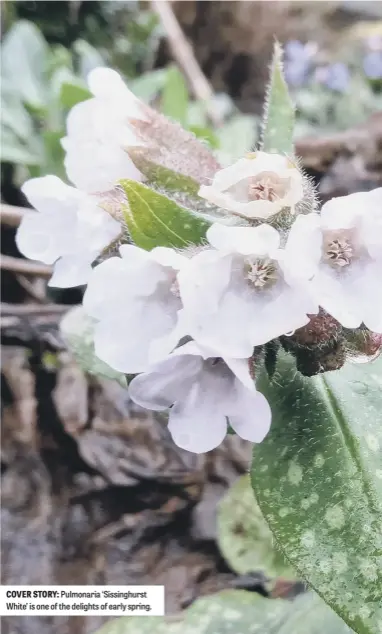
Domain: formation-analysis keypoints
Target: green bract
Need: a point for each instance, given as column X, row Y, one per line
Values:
column 154, row 220
column 279, row 115
column 318, row 480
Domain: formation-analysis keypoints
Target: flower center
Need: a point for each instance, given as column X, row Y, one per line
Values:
column 261, row 272
column 266, row 186
column 174, row 288
column 339, row 252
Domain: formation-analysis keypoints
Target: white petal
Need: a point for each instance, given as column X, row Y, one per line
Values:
column 168, row 257
column 105, row 294
column 303, row 247
column 161, row 346
column 166, row 382
column 115, row 345
column 124, row 340
column 367, row 289
column 107, row 84
column 98, row 136
column 133, row 255
column 261, row 240
column 342, row 212
column 196, row 423
column 115, row 282
column 96, row 228
column 285, row 312
column 217, row 197
column 99, row 121
column 33, row 240
column 258, row 208
column 71, row 270
column 228, row 329
column 97, row 167
column 202, row 280
column 336, row 295
column 46, row 236
column 50, row 194
column 250, row 415
column 240, row 367
column 247, row 167
column 229, row 187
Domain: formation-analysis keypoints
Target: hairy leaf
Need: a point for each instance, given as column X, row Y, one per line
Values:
column 279, row 115
column 154, row 220
column 244, row 537
column 161, row 176
column 175, row 96
column 318, row 480
column 238, row 612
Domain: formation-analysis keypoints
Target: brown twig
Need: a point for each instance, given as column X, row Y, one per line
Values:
column 24, row 267
column 33, row 288
column 184, row 55
column 11, row 215
column 27, row 310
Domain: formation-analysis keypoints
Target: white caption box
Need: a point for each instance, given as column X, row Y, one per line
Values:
column 81, row 600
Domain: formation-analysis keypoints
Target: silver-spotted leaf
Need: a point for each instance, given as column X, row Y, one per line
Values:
column 279, row 115
column 244, row 537
column 154, row 220
column 318, row 480
column 238, row 612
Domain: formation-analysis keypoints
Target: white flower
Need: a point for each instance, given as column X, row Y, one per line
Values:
column 136, row 300
column 98, row 134
column 204, row 390
column 242, row 294
column 258, row 186
column 68, row 230
column 342, row 248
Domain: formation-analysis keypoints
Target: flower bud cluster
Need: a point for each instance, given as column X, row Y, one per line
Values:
column 187, row 322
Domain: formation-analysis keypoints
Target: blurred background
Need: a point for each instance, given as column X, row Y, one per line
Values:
column 94, row 491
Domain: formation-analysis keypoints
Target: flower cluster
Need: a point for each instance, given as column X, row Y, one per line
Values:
column 187, row 322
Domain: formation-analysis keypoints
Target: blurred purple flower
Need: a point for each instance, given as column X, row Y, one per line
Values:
column 298, row 58
column 372, row 64
column 374, row 43
column 336, row 76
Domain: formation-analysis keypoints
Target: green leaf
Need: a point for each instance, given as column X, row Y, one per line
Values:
column 54, row 153
column 19, row 140
column 163, row 177
column 24, row 62
column 279, row 115
column 89, row 57
column 318, row 480
column 205, row 134
column 72, row 93
column 14, row 150
column 244, row 537
column 238, row 612
column 236, row 137
column 77, row 330
column 147, row 86
column 175, row 96
column 154, row 220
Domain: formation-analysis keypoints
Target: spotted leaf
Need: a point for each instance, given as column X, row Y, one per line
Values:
column 238, row 612
column 318, row 480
